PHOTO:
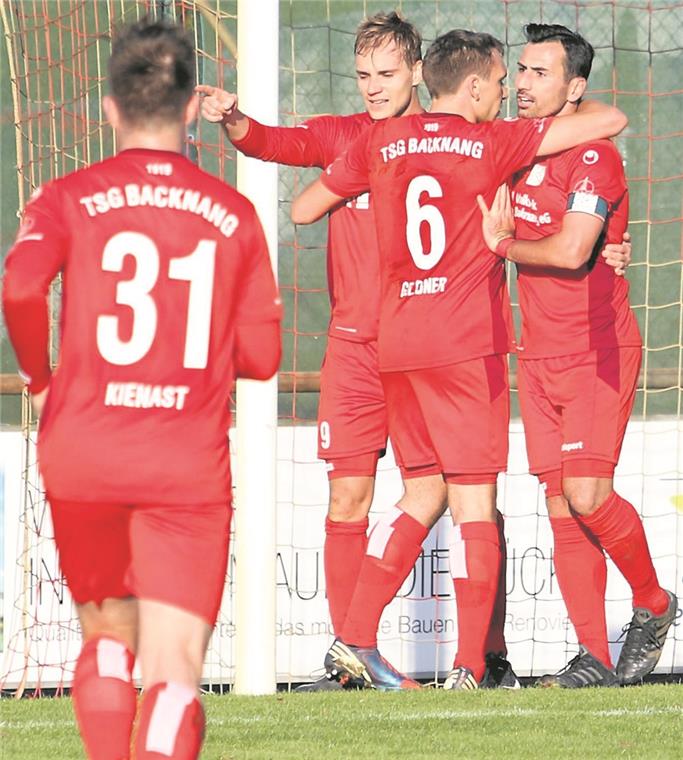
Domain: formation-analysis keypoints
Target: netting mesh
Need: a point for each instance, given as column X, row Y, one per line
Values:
column 54, row 58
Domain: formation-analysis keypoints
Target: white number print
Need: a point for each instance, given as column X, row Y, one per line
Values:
column 416, row 214
column 197, row 269
column 325, row 438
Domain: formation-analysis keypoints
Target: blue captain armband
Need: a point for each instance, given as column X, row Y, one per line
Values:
column 588, row 203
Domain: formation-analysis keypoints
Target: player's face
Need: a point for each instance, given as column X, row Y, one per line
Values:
column 386, row 81
column 542, row 89
column 492, row 91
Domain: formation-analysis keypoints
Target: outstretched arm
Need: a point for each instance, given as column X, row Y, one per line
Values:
column 220, row 106
column 304, row 145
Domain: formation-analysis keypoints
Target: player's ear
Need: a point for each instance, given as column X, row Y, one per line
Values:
column 576, row 89
column 417, row 73
column 191, row 109
column 473, row 85
column 111, row 111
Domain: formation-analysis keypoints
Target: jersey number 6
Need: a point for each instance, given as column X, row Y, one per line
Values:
column 197, row 268
column 416, row 214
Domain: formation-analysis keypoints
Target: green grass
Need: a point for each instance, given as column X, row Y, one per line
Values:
column 600, row 723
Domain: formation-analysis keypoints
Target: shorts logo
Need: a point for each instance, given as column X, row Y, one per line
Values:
column 590, row 157
column 573, row 446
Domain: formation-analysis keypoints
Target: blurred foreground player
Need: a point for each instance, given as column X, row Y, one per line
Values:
column 579, row 359
column 168, row 297
column 444, row 318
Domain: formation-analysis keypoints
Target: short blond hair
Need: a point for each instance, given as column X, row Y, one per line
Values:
column 381, row 28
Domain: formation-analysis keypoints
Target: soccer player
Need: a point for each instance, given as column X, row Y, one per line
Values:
column 444, row 315
column 579, row 359
column 352, row 423
column 168, row 296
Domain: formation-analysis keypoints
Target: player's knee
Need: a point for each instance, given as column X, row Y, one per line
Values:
column 582, row 500
column 179, row 662
column 113, row 618
column 350, row 502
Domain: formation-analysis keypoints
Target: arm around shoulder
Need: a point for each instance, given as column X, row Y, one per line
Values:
column 593, row 121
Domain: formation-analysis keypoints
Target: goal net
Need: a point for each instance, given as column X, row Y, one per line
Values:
column 53, row 61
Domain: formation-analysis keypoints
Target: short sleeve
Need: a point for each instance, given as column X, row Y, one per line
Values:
column 595, row 179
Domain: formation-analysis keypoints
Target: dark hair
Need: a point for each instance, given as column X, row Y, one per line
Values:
column 578, row 57
column 151, row 71
column 389, row 27
column 453, row 56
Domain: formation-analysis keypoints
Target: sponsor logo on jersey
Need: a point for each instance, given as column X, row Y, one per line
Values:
column 536, row 176
column 590, row 157
column 573, row 446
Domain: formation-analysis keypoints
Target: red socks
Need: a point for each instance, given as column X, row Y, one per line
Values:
column 394, row 543
column 345, row 544
column 474, row 558
column 581, row 571
column 171, row 723
column 618, row 528
column 104, row 698
column 495, row 639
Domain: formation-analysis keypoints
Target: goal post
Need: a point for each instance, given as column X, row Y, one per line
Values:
column 255, row 498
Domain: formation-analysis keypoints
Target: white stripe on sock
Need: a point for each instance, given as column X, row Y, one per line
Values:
column 112, row 660
column 167, row 715
column 457, row 556
column 381, row 532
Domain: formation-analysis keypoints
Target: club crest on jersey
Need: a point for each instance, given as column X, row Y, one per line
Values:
column 536, row 175
column 590, row 157
column 584, row 186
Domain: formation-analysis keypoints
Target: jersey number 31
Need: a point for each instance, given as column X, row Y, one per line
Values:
column 197, row 268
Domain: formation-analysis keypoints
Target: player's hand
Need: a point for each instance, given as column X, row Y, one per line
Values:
column 38, row 401
column 217, row 105
column 497, row 222
column 618, row 255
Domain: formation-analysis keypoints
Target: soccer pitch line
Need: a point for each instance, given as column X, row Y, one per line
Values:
column 517, row 712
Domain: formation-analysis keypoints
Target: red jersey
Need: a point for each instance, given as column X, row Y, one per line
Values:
column 444, row 298
column 571, row 311
column 352, row 260
column 161, row 263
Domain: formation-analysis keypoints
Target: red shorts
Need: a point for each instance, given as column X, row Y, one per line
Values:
column 165, row 552
column 352, row 416
column 575, row 409
column 455, row 417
